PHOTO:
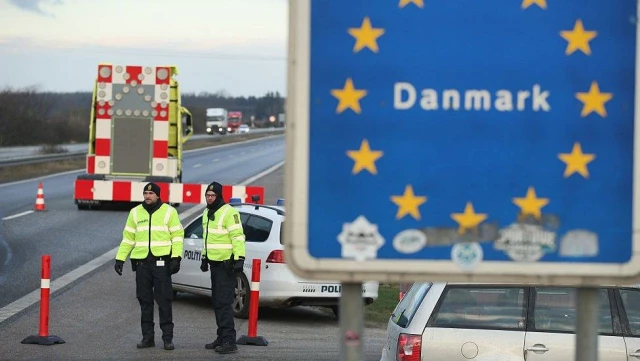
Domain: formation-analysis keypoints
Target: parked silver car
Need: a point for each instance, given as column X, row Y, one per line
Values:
column 507, row 322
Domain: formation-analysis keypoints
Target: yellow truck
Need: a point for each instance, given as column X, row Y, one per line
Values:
column 136, row 132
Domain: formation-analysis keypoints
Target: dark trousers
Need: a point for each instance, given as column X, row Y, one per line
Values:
column 154, row 283
column 223, row 283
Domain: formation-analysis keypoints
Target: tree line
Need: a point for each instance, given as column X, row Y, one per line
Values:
column 32, row 117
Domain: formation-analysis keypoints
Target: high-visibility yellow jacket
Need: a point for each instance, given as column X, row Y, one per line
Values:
column 162, row 233
column 224, row 235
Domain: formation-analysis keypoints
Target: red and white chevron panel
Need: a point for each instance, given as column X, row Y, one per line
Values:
column 125, row 191
column 131, row 80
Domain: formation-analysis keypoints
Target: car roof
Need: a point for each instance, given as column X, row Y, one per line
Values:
column 529, row 284
column 263, row 209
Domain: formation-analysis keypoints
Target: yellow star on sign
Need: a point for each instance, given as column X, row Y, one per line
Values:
column 366, row 36
column 408, row 203
column 364, row 158
column 531, row 204
column 593, row 101
column 348, row 97
column 541, row 3
column 418, row 3
column 469, row 219
column 576, row 161
column 578, row 38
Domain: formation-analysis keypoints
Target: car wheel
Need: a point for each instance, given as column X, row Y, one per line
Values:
column 241, row 300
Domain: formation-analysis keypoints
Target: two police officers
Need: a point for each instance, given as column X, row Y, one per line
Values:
column 154, row 236
column 223, row 253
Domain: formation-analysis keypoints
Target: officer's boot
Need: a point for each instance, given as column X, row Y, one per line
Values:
column 146, row 342
column 226, row 347
column 214, row 344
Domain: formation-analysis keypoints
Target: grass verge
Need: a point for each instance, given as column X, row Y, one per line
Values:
column 377, row 314
column 27, row 171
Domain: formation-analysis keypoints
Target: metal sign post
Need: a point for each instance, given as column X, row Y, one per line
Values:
column 481, row 142
column 351, row 315
column 587, row 324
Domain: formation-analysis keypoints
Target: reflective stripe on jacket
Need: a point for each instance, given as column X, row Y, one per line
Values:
column 224, row 235
column 162, row 234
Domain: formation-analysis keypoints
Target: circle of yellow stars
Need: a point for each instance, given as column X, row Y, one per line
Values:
column 366, row 36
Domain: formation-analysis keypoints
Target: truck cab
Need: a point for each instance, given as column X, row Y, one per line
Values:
column 235, row 120
column 217, row 121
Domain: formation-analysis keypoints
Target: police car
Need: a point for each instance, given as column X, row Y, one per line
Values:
column 263, row 227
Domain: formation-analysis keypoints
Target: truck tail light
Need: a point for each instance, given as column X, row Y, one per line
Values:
column 276, row 256
column 409, row 347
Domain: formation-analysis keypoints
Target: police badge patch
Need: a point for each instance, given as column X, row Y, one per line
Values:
column 236, row 219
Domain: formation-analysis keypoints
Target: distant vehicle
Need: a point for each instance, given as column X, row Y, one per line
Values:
column 235, row 120
column 217, row 121
column 244, row 128
column 279, row 287
column 507, row 322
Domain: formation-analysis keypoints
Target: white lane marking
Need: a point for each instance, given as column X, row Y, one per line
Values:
column 197, row 166
column 16, row 215
column 261, row 174
column 254, row 140
column 59, row 283
column 216, row 159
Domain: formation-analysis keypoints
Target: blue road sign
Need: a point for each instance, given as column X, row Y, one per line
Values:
column 463, row 139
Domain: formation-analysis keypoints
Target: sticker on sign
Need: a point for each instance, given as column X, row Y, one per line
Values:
column 487, row 142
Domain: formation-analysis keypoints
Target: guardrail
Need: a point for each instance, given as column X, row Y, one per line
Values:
column 41, row 158
column 34, row 159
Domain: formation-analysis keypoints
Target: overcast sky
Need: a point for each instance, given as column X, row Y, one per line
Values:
column 234, row 45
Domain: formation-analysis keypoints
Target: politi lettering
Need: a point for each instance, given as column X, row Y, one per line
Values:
column 192, row 255
column 335, row 288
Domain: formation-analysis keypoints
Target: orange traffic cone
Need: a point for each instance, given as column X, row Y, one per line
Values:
column 40, row 199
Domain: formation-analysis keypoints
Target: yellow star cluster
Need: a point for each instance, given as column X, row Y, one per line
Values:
column 366, row 37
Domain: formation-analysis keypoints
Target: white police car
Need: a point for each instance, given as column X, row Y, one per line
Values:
column 263, row 227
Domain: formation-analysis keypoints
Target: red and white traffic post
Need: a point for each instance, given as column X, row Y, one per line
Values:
column 254, row 299
column 43, row 337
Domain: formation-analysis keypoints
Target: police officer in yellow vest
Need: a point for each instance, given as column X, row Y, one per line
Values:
column 223, row 253
column 154, row 236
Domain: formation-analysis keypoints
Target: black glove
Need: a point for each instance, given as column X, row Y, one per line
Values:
column 174, row 265
column 118, row 267
column 238, row 265
column 204, row 266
